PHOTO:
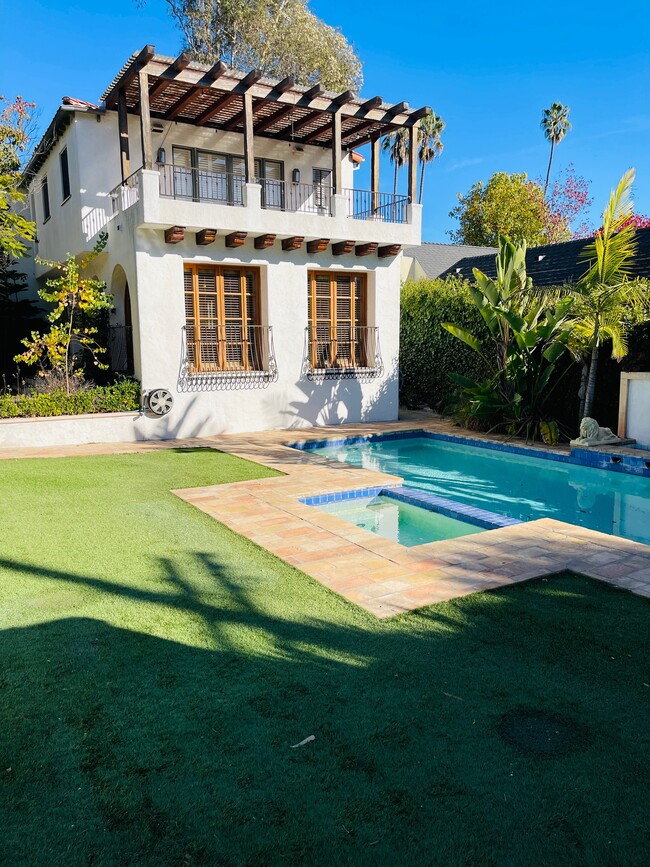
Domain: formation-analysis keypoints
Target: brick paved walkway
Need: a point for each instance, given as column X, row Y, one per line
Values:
column 382, row 576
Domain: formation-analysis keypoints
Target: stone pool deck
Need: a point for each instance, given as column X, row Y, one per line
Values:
column 377, row 574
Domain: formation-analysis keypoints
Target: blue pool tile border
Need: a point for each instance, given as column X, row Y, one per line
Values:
column 450, row 508
column 321, row 499
column 312, row 445
column 422, row 499
column 617, row 463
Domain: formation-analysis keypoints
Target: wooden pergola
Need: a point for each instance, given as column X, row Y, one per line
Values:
column 220, row 98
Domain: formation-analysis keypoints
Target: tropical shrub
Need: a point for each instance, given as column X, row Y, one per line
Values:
column 122, row 396
column 528, row 334
column 428, row 353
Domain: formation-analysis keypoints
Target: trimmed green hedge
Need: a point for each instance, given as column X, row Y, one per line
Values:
column 428, row 353
column 122, row 396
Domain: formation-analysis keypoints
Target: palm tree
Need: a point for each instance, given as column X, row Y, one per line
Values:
column 607, row 303
column 431, row 128
column 395, row 144
column 555, row 123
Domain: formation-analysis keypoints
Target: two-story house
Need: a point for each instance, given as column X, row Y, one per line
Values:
column 251, row 280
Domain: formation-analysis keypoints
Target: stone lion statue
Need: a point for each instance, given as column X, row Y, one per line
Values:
column 592, row 434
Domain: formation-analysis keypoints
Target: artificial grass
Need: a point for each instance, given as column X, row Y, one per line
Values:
column 156, row 669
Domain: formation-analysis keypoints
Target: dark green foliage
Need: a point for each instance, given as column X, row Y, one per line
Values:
column 428, row 353
column 156, row 668
column 121, row 396
column 18, row 314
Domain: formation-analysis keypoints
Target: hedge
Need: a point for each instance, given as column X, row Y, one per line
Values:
column 428, row 353
column 121, row 396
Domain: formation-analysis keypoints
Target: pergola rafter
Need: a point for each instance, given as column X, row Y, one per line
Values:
column 216, row 97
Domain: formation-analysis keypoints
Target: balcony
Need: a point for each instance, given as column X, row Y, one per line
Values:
column 342, row 351
column 195, row 200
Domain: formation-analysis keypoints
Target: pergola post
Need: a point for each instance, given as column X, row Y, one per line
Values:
column 413, row 162
column 123, row 129
column 337, row 154
column 249, row 150
column 374, row 172
column 145, row 120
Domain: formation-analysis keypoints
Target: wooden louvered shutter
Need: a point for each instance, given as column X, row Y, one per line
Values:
column 208, row 310
column 233, row 320
column 321, row 320
column 344, row 320
column 190, row 321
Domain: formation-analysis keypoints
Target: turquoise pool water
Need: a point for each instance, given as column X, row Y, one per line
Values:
column 409, row 525
column 519, row 486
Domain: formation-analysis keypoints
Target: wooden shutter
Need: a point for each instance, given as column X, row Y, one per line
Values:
column 222, row 310
column 337, row 316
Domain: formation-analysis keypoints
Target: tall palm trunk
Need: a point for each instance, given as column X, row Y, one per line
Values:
column 424, row 165
column 591, row 382
column 550, row 163
column 582, row 391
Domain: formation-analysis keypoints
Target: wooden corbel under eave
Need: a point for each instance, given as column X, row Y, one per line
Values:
column 174, row 234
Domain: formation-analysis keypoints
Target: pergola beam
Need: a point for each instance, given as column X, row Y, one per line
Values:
column 143, row 58
column 162, row 83
column 243, row 88
column 213, row 74
column 281, row 87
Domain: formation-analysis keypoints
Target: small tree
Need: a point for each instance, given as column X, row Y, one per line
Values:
column 76, row 300
column 508, row 205
column 567, row 202
column 15, row 229
column 608, row 303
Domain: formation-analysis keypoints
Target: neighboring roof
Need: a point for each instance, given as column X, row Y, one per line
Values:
column 213, row 96
column 436, row 259
column 554, row 264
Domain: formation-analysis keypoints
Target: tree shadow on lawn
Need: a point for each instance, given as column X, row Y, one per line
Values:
column 121, row 747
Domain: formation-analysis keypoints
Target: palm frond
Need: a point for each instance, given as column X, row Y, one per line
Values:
column 612, row 250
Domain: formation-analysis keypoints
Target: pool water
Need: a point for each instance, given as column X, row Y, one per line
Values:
column 518, row 486
column 409, row 525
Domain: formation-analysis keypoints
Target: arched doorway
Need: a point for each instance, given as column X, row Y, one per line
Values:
column 120, row 344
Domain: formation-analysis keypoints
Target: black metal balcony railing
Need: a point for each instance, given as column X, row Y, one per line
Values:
column 230, row 349
column 198, row 185
column 298, row 198
column 368, row 205
column 343, row 350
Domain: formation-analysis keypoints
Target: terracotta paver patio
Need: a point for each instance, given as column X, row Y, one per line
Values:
column 378, row 574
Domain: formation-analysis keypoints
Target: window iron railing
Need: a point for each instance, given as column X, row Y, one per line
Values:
column 342, row 349
column 230, row 349
column 369, row 205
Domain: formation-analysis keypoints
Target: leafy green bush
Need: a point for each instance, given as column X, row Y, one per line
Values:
column 122, row 396
column 428, row 353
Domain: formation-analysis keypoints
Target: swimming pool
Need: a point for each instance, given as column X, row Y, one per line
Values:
column 399, row 521
column 520, row 486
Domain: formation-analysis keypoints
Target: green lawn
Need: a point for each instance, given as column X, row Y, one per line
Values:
column 155, row 670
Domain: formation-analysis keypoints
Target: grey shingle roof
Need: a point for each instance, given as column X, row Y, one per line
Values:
column 554, row 264
column 435, row 259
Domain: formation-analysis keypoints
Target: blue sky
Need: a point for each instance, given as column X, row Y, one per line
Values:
column 488, row 69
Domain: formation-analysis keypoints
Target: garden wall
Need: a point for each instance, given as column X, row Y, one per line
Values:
column 64, row 430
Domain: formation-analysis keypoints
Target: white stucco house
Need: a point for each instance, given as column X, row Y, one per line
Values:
column 251, row 280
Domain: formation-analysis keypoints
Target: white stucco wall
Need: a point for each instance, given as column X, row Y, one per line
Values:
column 637, row 410
column 154, row 271
column 291, row 401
